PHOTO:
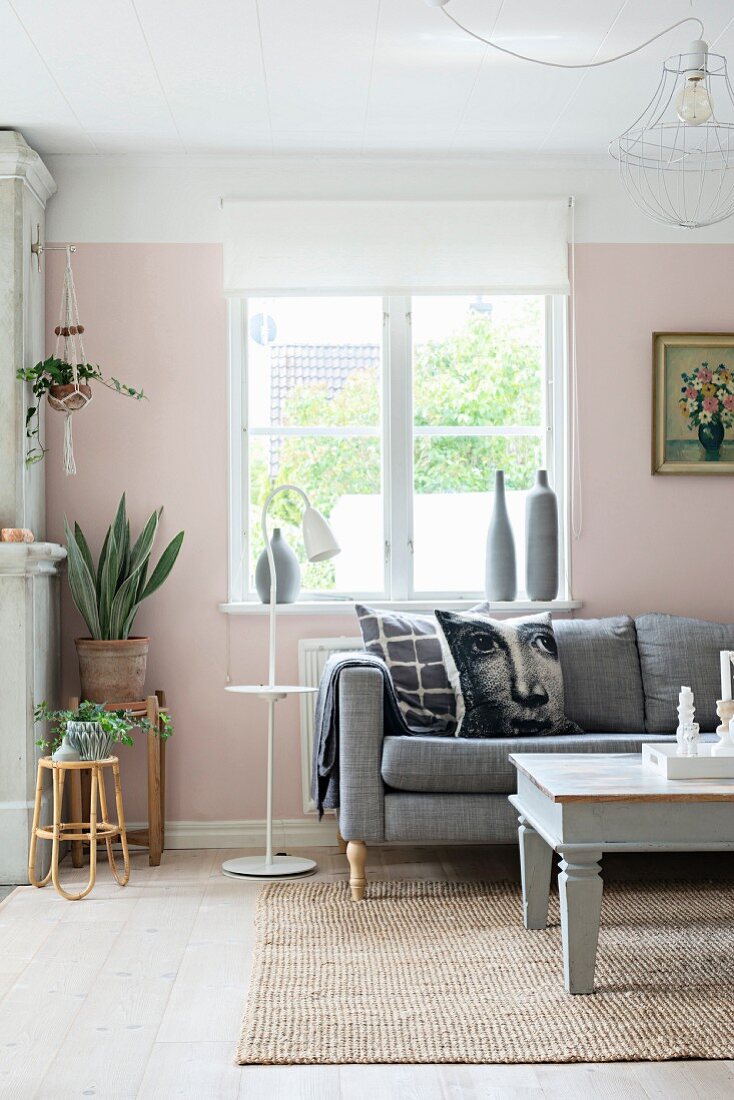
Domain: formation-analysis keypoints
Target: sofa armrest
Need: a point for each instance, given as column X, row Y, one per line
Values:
column 361, row 731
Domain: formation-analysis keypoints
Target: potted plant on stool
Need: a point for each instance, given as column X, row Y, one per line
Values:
column 112, row 665
column 91, row 731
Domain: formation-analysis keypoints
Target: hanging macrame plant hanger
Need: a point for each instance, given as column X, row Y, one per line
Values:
column 75, row 396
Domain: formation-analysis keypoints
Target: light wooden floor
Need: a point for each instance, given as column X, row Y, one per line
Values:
column 139, row 993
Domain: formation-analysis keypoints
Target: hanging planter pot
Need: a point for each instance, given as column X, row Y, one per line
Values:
column 63, row 378
column 69, row 398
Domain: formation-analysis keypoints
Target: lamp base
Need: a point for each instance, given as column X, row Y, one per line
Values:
column 255, row 867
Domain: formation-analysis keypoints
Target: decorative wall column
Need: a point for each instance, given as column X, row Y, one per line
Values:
column 29, row 596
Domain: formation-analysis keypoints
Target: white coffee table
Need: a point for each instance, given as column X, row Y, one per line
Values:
column 584, row 804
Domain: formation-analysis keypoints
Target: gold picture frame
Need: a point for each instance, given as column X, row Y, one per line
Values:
column 693, row 403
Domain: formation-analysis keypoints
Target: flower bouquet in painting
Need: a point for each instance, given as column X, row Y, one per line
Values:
column 707, row 403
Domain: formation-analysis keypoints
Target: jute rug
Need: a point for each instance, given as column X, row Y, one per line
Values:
column 445, row 972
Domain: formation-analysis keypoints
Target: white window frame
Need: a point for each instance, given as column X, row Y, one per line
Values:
column 397, row 434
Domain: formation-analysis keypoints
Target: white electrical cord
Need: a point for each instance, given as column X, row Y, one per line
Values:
column 581, row 65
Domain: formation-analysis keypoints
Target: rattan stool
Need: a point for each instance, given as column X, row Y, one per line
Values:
column 90, row 831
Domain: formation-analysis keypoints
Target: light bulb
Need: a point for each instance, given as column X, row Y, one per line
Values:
column 693, row 102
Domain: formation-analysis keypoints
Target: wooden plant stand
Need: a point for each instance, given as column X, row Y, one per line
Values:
column 77, row 831
column 154, row 836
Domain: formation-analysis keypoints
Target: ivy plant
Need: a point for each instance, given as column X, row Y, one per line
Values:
column 118, row 723
column 57, row 372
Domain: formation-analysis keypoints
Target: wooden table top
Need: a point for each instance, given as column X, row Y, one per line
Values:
column 612, row 777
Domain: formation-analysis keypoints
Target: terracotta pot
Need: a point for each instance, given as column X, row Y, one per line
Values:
column 56, row 395
column 112, row 672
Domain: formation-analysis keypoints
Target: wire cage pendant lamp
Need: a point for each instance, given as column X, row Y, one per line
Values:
column 676, row 160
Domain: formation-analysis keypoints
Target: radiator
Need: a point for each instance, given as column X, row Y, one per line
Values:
column 313, row 654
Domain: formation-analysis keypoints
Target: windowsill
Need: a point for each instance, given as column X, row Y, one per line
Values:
column 346, row 606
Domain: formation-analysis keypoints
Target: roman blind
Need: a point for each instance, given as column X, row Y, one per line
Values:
column 395, row 247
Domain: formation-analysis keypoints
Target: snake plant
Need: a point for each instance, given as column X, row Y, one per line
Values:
column 108, row 596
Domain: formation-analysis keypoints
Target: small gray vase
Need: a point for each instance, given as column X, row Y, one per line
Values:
column 500, row 581
column 287, row 572
column 541, row 540
column 65, row 752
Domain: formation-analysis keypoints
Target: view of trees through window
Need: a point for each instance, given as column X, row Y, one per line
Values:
column 315, row 391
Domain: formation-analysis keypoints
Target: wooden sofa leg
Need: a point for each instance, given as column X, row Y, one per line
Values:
column 357, row 856
column 341, row 842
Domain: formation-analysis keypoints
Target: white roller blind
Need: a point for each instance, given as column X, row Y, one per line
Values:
column 358, row 247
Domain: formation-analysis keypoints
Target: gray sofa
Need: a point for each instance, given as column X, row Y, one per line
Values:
column 621, row 681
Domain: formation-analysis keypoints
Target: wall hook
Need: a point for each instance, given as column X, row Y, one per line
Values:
column 38, row 249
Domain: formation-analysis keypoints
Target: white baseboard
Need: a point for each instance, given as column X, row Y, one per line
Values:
column 293, row 833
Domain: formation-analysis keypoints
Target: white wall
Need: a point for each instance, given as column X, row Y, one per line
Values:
column 115, row 199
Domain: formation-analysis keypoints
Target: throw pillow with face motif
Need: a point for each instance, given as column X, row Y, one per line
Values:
column 506, row 676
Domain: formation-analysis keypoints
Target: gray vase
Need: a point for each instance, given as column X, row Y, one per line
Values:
column 65, row 752
column 287, row 572
column 541, row 540
column 501, row 571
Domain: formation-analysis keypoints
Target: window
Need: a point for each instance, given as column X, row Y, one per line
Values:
column 393, row 415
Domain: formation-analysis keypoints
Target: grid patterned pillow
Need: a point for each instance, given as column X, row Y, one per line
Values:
column 410, row 647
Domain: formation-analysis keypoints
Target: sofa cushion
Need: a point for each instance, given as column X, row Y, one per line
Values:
column 506, row 675
column 675, row 651
column 601, row 673
column 482, row 766
column 409, row 646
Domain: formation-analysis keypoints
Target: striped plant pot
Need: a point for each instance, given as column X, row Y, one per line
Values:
column 89, row 740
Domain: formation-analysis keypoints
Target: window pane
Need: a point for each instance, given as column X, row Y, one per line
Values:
column 478, row 361
column 314, row 362
column 453, row 501
column 342, row 478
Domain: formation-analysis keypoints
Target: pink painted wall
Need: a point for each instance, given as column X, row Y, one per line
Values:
column 648, row 543
column 155, row 317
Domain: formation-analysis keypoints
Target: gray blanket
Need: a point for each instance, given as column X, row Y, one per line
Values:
column 325, row 764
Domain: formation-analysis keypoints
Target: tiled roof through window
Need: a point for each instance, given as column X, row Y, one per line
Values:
column 293, row 365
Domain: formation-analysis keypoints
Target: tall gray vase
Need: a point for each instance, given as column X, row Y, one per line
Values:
column 287, row 572
column 541, row 540
column 500, row 578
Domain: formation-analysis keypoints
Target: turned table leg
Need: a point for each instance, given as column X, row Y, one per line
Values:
column 580, row 888
column 357, row 856
column 536, row 860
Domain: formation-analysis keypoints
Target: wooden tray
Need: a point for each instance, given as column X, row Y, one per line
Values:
column 663, row 759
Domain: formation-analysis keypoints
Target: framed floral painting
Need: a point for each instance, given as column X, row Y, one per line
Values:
column 693, row 403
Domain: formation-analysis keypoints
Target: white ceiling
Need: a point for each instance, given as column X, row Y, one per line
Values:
column 346, row 77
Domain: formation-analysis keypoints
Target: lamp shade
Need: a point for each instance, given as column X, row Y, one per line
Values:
column 318, row 537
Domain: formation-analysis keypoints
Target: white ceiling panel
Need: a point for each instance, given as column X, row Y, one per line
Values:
column 96, row 52
column 333, row 76
column 318, row 60
column 424, row 68
column 210, row 69
column 31, row 100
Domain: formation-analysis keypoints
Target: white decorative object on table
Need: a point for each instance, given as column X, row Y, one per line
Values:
column 663, row 758
column 691, row 738
column 725, row 657
column 686, row 716
column 320, row 545
column 725, row 744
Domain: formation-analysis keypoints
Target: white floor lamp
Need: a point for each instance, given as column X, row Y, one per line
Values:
column 320, row 545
